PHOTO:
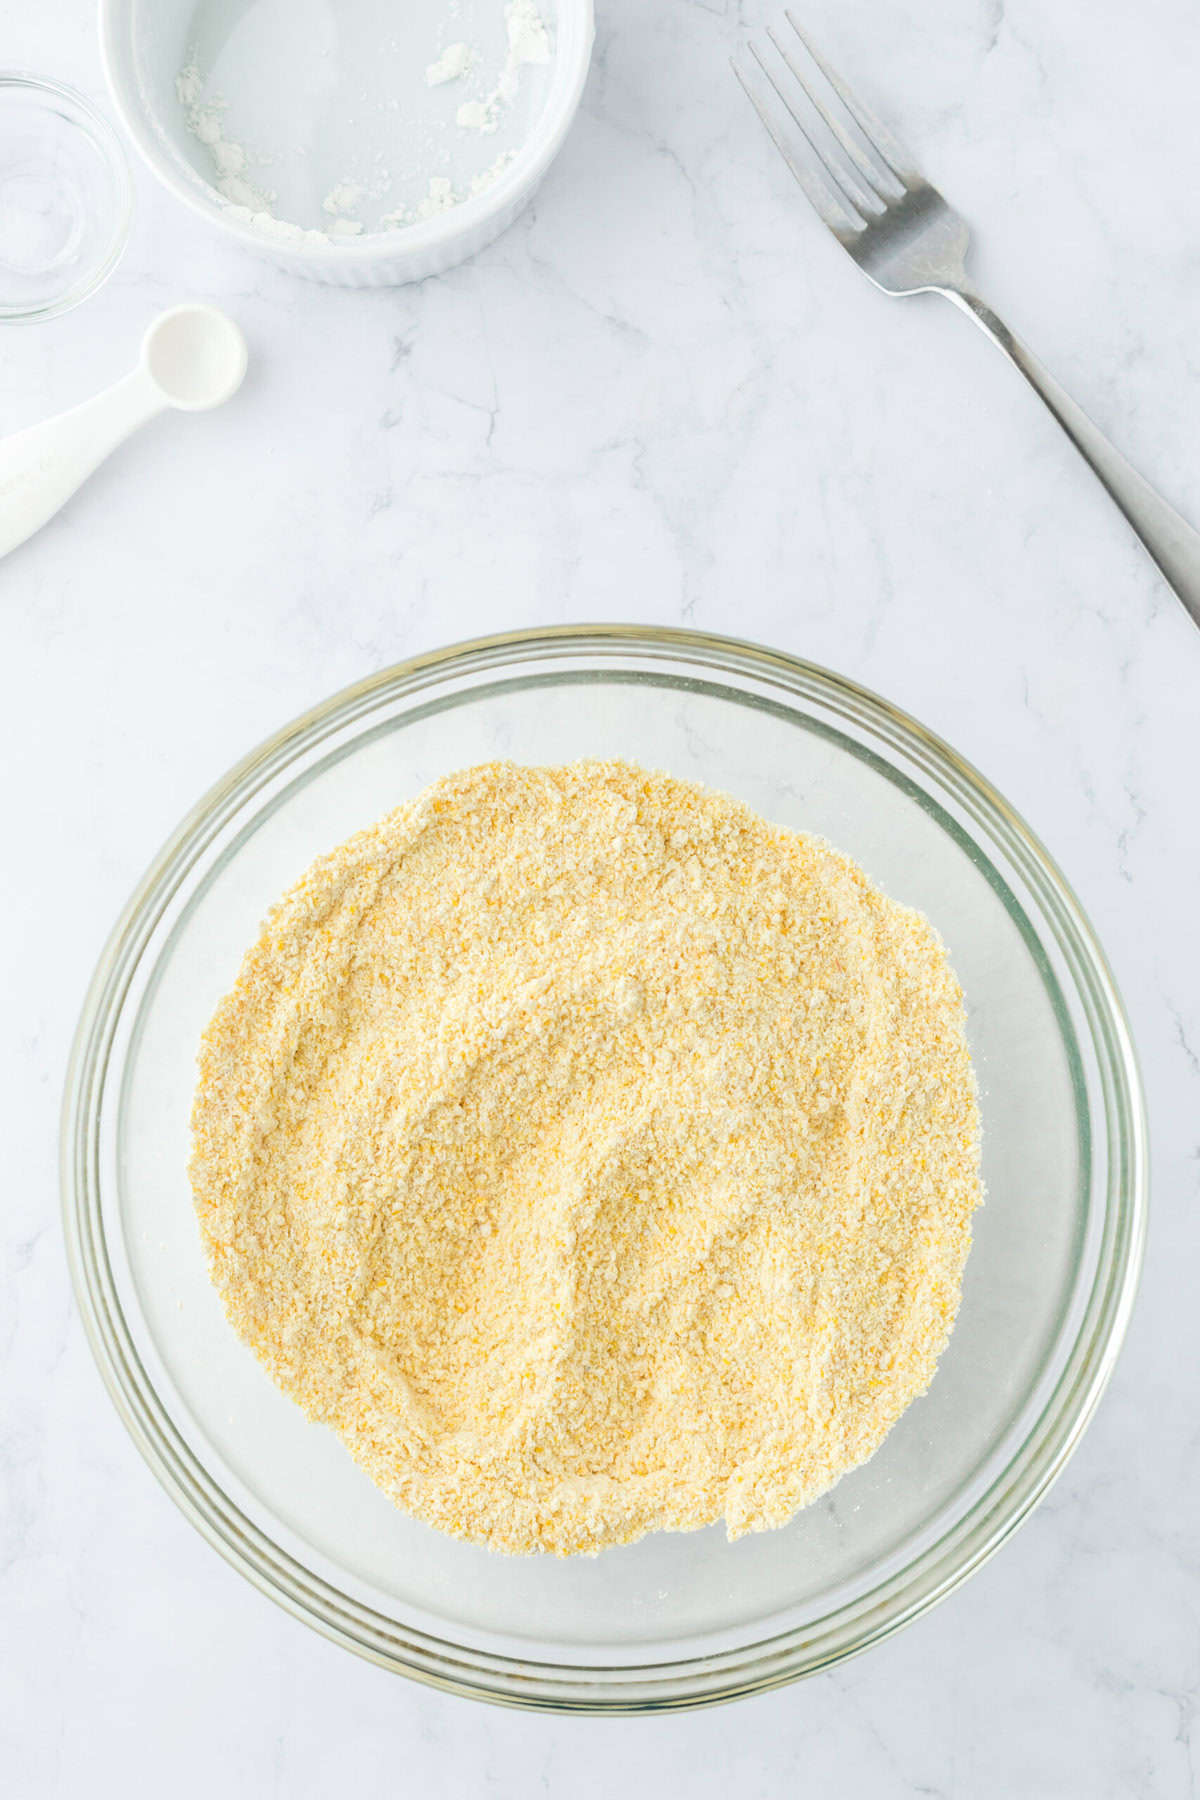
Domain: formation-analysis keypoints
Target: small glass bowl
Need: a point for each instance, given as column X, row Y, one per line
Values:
column 65, row 198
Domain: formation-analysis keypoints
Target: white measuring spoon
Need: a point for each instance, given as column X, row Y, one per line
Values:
column 193, row 357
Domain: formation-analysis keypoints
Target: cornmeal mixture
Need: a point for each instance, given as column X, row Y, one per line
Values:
column 593, row 1156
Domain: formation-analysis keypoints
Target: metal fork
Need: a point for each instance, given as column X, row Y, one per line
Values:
column 905, row 237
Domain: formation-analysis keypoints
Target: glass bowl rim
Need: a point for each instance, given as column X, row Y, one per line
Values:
column 656, row 1686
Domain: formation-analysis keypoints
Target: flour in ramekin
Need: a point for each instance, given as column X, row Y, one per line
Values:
column 205, row 115
column 451, row 65
column 527, row 43
column 238, row 169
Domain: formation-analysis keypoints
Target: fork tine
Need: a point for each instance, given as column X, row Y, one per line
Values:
column 862, row 179
column 826, row 197
column 875, row 170
column 887, row 148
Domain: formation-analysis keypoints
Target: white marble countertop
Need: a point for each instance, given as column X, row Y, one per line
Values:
column 663, row 396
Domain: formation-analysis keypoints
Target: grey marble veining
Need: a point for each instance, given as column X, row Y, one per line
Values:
column 664, row 395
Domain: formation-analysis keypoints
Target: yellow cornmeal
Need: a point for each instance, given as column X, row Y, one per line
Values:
column 591, row 1155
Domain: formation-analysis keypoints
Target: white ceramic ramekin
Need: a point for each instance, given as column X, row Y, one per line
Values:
column 141, row 73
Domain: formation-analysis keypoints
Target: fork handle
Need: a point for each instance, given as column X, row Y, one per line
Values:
column 1170, row 540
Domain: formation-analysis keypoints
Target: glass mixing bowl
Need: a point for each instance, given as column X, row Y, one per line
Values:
column 675, row 1620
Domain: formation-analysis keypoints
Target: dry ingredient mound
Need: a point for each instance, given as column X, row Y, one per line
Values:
column 591, row 1155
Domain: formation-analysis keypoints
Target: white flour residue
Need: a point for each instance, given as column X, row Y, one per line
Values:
column 528, row 42
column 343, row 198
column 440, row 198
column 234, row 166
column 442, row 195
column 205, row 121
column 454, row 61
